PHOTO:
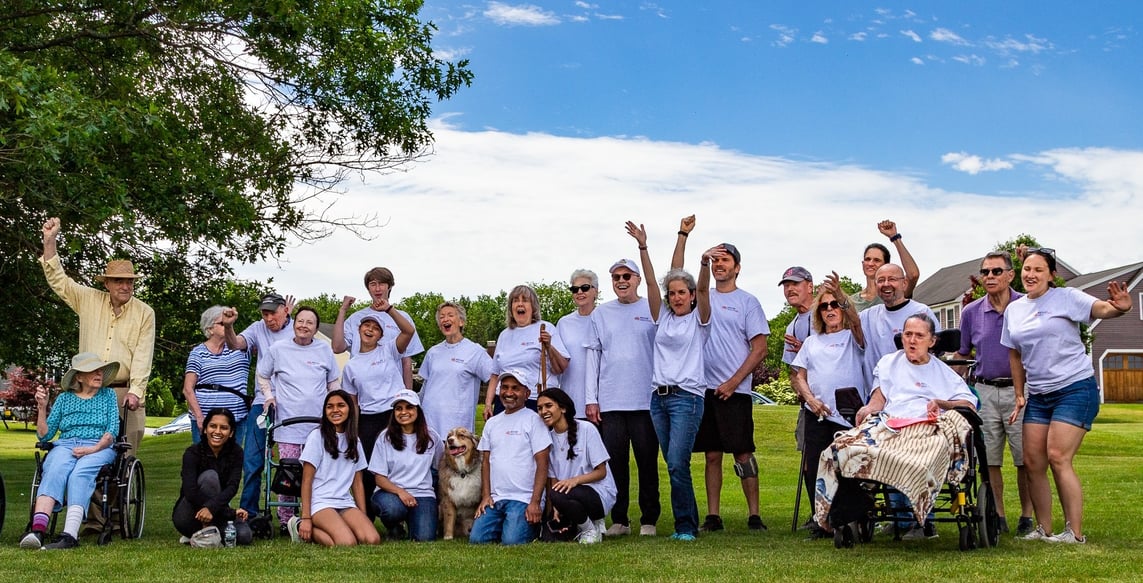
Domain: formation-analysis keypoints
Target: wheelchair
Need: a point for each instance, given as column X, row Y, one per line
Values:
column 120, row 492
column 968, row 502
column 284, row 476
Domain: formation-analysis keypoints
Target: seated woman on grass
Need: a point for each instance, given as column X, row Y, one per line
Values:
column 212, row 470
column 332, row 511
column 403, row 463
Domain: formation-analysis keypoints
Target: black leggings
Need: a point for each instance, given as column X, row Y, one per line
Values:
column 575, row 507
column 187, row 524
column 818, row 437
column 624, row 433
column 369, row 427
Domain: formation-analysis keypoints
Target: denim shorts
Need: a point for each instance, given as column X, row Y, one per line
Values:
column 1076, row 404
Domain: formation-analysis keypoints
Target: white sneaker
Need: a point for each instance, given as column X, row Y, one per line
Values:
column 648, row 530
column 292, row 526
column 601, row 527
column 589, row 536
column 1066, row 537
column 1037, row 534
column 184, row 540
column 618, row 529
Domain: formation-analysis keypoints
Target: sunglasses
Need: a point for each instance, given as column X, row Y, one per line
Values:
column 623, row 276
column 575, row 289
column 994, row 271
column 1042, row 250
column 830, row 305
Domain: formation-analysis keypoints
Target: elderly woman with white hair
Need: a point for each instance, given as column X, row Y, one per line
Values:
column 520, row 346
column 575, row 330
column 86, row 417
column 453, row 371
column 216, row 375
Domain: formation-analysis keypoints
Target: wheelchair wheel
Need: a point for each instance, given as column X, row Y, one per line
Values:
column 967, row 536
column 843, row 537
column 987, row 523
column 132, row 499
column 865, row 529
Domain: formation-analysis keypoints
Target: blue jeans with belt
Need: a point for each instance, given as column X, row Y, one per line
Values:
column 676, row 418
column 253, row 458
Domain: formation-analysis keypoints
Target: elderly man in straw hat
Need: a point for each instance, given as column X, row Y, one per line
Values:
column 113, row 325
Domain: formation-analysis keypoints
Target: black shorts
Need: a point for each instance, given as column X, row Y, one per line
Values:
column 727, row 426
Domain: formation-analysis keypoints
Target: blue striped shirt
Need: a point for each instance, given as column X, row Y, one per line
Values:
column 229, row 368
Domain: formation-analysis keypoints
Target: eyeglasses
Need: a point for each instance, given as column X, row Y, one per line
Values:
column 575, row 289
column 830, row 305
column 623, row 276
column 994, row 271
column 1042, row 250
column 892, row 279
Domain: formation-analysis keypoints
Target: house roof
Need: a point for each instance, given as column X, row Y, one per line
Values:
column 1091, row 279
column 950, row 283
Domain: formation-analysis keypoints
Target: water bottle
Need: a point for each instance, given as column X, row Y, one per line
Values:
column 231, row 534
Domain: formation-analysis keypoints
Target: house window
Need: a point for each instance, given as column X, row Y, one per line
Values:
column 1134, row 361
column 1113, row 362
column 951, row 318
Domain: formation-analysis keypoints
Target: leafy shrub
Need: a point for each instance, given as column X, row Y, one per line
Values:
column 160, row 399
column 779, row 390
column 19, row 395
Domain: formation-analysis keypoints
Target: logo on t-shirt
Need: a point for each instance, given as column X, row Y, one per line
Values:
column 457, row 360
column 513, row 432
column 642, row 318
column 729, row 308
column 920, row 385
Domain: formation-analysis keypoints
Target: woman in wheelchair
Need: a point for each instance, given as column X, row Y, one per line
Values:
column 212, row 469
column 912, row 388
column 87, row 419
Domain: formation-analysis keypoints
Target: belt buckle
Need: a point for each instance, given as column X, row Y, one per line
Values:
column 663, row 391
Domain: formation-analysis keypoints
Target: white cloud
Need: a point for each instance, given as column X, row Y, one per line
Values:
column 916, row 37
column 655, row 8
column 585, row 5
column 916, row 61
column 609, row 16
column 945, row 35
column 858, row 36
column 448, row 54
column 974, row 164
column 969, row 59
column 579, row 18
column 785, row 34
column 1030, row 44
column 819, row 38
column 519, row 15
column 491, row 209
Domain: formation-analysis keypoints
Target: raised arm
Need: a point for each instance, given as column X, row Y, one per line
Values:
column 686, row 225
column 51, row 230
column 832, row 285
column 1118, row 302
column 654, row 297
column 912, row 273
column 404, row 326
column 702, row 286
column 338, row 341
column 233, row 340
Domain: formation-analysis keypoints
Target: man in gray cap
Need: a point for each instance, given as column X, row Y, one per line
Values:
column 798, row 288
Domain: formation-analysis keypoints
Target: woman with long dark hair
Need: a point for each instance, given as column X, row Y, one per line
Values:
column 580, row 488
column 403, row 462
column 212, row 470
column 333, row 496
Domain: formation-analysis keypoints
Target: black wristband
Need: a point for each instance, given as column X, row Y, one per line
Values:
column 895, row 238
column 684, row 233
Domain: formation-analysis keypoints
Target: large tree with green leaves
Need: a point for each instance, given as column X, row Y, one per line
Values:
column 188, row 136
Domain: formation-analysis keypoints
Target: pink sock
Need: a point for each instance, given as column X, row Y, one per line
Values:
column 40, row 522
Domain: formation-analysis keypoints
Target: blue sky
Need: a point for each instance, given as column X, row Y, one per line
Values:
column 789, row 127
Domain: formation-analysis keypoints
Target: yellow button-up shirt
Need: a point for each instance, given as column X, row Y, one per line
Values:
column 127, row 338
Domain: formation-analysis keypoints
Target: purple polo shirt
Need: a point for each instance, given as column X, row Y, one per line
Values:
column 980, row 326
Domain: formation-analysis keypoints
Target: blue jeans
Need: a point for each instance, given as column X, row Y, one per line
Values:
column 253, row 458
column 69, row 478
column 503, row 521
column 422, row 518
column 676, row 418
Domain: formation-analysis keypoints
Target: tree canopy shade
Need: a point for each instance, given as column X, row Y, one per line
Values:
column 187, row 135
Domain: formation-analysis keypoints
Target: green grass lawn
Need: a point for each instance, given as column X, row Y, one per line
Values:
column 1107, row 464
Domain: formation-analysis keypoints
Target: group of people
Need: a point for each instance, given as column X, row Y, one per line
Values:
column 568, row 404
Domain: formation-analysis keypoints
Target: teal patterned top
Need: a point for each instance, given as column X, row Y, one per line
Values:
column 79, row 418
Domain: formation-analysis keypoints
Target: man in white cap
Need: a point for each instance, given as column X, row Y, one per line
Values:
column 618, row 394
column 113, row 324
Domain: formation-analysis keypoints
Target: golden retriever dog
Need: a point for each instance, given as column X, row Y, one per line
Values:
column 458, row 491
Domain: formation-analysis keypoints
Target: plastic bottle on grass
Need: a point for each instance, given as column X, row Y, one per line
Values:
column 231, row 534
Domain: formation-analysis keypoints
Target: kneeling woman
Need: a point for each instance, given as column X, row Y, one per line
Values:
column 580, row 489
column 682, row 327
column 87, row 419
column 333, row 496
column 404, row 459
column 212, row 470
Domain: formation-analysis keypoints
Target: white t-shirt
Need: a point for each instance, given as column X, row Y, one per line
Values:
column 833, row 361
column 575, row 333
column 453, row 373
column 333, row 478
column 259, row 339
column 735, row 318
column 623, row 342
column 374, row 376
column 880, row 325
column 589, row 453
column 679, row 351
column 389, row 331
column 519, row 349
column 298, row 377
column 1045, row 331
column 909, row 387
column 407, row 468
column 801, row 327
column 512, row 441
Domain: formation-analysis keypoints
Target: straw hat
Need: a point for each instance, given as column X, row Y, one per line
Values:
column 118, row 268
column 87, row 362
